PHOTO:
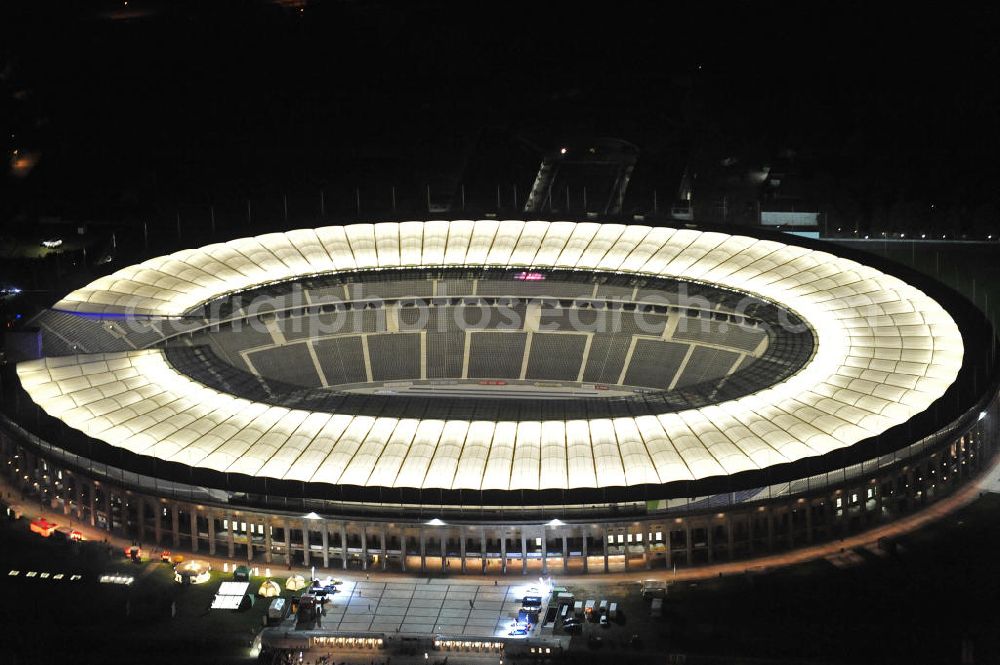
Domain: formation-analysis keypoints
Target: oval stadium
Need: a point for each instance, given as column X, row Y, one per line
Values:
column 502, row 397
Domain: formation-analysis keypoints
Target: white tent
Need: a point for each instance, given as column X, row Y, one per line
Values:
column 295, row 582
column 269, row 589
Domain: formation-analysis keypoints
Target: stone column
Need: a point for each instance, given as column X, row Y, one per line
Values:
column 461, row 546
column 194, row 529
column 364, row 547
column 402, row 549
column 710, row 538
column 93, row 505
column 384, row 539
column 109, row 507
column 503, row 553
column 268, row 545
column 688, row 544
column 545, row 551
column 66, row 501
column 211, row 534
column 175, row 525
column 157, row 520
column 482, row 551
column 770, row 530
column 585, row 550
column 231, row 536
column 524, row 552
column 646, row 537
column 78, row 488
column 606, row 549
column 288, row 543
column 626, row 551
column 249, row 537
column 343, row 545
column 325, row 535
column 565, row 552
column 305, row 543
column 423, row 551
column 444, row 553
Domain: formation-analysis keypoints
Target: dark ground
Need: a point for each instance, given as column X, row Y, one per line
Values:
column 915, row 606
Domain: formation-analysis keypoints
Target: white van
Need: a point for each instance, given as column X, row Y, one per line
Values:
column 603, row 607
column 613, row 610
column 277, row 609
column 578, row 609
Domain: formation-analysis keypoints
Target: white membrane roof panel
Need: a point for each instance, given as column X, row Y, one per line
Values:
column 884, row 351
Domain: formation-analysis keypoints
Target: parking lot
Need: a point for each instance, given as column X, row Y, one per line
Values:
column 632, row 618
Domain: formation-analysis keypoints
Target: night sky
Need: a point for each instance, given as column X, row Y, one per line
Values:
column 146, row 108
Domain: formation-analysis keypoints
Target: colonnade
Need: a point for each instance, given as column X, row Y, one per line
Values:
column 657, row 540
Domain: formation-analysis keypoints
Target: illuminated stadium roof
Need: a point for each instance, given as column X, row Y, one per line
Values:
column 884, row 352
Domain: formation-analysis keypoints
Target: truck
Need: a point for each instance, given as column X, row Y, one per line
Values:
column 307, row 609
column 276, row 610
column 588, row 610
column 613, row 611
column 578, row 609
column 654, row 589
column 564, row 597
column 656, row 608
column 603, row 607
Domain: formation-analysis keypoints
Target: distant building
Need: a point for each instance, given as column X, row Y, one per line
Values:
column 591, row 176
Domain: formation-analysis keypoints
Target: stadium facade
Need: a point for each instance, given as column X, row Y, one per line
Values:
column 502, row 396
